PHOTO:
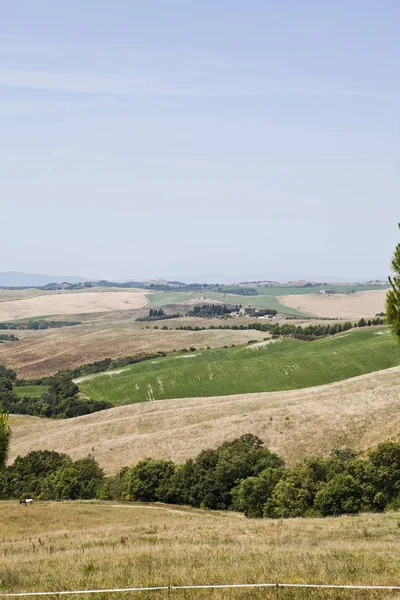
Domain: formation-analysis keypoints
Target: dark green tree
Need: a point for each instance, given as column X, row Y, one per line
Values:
column 216, row 472
column 294, row 494
column 5, row 384
column 342, row 494
column 62, row 385
column 252, row 493
column 144, row 481
column 393, row 295
column 4, row 438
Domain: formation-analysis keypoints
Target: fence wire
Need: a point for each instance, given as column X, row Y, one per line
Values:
column 216, row 586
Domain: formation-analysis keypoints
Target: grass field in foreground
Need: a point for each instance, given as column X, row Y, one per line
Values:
column 265, row 366
column 30, row 391
column 53, row 546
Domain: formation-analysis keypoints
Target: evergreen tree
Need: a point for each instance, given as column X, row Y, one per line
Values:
column 393, row 295
column 4, row 438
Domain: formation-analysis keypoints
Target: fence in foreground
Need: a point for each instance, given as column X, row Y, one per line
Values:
column 169, row 588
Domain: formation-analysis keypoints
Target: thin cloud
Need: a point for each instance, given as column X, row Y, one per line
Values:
column 98, row 83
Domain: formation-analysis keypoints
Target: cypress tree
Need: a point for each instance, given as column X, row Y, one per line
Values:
column 393, row 295
column 4, row 438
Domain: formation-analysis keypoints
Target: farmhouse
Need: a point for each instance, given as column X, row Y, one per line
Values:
column 247, row 311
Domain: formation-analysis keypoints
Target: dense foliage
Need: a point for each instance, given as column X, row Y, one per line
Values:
column 236, row 290
column 211, row 310
column 158, row 314
column 243, row 475
column 51, row 476
column 239, row 475
column 393, row 295
column 37, row 324
column 61, row 400
column 4, row 438
column 111, row 363
column 4, row 337
column 307, row 333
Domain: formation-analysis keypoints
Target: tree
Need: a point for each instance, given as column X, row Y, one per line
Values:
column 144, row 481
column 393, row 295
column 293, row 495
column 62, row 385
column 5, row 384
column 7, row 373
column 216, row 472
column 4, row 438
column 252, row 493
column 342, row 494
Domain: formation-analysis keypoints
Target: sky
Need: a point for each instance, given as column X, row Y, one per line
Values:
column 186, row 137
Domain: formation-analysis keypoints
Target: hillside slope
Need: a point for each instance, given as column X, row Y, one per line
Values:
column 340, row 306
column 359, row 412
column 266, row 366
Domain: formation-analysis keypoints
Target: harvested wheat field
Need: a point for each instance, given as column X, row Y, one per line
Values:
column 338, row 306
column 42, row 353
column 358, row 412
column 76, row 545
column 72, row 303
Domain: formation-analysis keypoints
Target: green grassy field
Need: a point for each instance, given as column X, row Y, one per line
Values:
column 283, row 365
column 30, row 391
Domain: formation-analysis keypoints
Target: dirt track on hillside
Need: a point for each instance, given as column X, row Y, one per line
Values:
column 359, row 413
column 340, row 306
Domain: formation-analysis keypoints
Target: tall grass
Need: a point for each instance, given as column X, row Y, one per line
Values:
column 72, row 545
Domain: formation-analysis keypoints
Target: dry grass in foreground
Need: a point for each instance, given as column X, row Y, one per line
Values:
column 74, row 545
column 359, row 412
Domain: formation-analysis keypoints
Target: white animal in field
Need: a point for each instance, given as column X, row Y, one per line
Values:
column 26, row 501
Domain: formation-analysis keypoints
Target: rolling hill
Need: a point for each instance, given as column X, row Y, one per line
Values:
column 269, row 365
column 359, row 412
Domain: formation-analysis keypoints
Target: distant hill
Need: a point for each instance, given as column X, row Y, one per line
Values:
column 18, row 279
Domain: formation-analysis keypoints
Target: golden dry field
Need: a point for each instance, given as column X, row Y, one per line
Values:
column 89, row 545
column 71, row 303
column 359, row 412
column 341, row 306
column 114, row 334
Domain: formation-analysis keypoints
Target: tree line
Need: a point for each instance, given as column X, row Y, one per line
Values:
column 4, row 337
column 307, row 333
column 60, row 401
column 211, row 310
column 37, row 324
column 158, row 314
column 239, row 475
column 99, row 366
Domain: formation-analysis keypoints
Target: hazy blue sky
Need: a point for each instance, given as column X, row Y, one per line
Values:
column 163, row 137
